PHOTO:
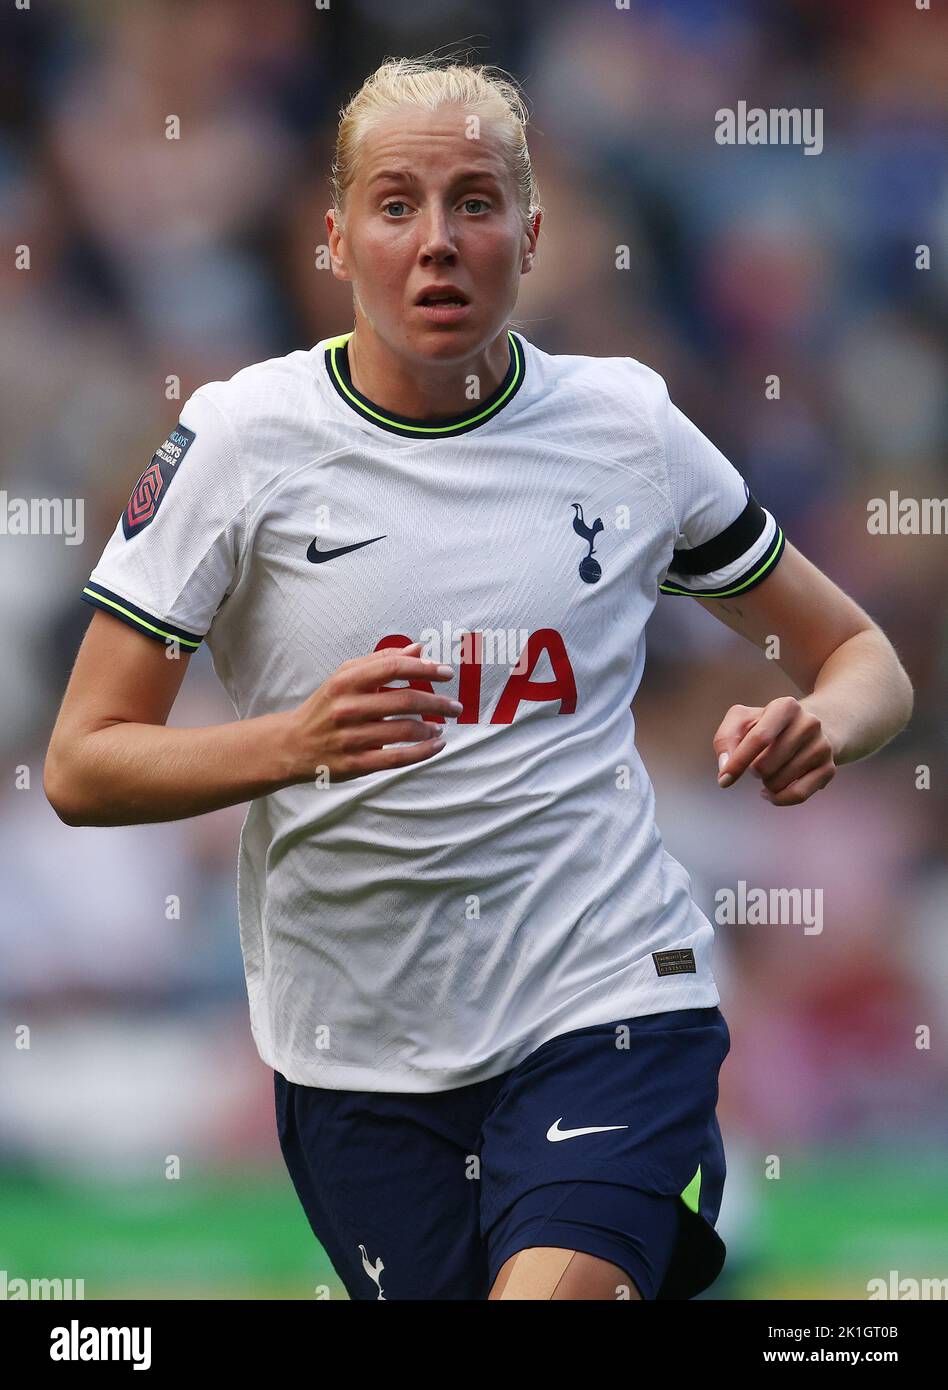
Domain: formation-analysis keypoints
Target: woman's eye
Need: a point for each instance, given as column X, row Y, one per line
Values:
column 397, row 207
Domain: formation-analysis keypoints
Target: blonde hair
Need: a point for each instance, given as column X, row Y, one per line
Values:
column 427, row 83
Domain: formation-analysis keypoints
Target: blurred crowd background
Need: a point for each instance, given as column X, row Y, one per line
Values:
column 152, row 258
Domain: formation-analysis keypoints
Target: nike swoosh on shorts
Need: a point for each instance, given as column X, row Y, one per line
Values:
column 554, row 1133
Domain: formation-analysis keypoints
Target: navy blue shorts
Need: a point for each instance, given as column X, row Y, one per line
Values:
column 602, row 1140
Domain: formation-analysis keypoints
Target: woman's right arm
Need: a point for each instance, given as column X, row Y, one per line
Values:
column 112, row 760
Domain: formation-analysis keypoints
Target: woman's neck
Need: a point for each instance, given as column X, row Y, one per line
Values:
column 427, row 389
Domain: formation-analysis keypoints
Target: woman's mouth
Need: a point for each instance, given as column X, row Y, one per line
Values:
column 442, row 304
column 443, row 310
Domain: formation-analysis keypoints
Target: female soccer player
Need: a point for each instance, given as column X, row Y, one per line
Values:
column 423, row 554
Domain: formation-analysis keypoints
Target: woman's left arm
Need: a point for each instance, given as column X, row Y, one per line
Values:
column 856, row 697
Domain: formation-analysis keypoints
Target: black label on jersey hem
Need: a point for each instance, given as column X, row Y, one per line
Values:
column 681, row 962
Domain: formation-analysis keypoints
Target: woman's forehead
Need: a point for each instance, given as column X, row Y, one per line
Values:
column 410, row 141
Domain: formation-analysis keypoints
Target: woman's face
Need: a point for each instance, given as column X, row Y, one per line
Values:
column 433, row 201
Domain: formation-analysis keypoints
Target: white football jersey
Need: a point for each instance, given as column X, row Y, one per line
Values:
column 428, row 927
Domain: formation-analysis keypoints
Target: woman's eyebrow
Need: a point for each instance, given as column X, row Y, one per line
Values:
column 391, row 174
column 467, row 176
column 477, row 176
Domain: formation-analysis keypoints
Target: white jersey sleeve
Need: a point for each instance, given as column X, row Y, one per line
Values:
column 727, row 542
column 174, row 552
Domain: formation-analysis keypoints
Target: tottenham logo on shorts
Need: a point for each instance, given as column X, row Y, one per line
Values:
column 155, row 481
column 373, row 1271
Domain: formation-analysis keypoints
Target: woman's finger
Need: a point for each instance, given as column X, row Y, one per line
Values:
column 800, row 790
column 815, row 753
column 774, row 718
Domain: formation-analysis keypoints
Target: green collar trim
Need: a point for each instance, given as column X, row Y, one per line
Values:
column 337, row 365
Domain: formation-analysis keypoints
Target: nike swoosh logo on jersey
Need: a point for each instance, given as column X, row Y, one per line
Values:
column 317, row 557
column 554, row 1133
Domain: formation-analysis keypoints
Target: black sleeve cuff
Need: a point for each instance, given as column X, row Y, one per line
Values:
column 723, row 550
column 142, row 621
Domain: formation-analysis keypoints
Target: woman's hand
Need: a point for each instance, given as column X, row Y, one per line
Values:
column 347, row 727
column 783, row 744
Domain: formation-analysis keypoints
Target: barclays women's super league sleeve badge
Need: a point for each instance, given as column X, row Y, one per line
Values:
column 590, row 570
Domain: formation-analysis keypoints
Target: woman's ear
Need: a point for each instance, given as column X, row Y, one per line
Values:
column 337, row 250
column 531, row 232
